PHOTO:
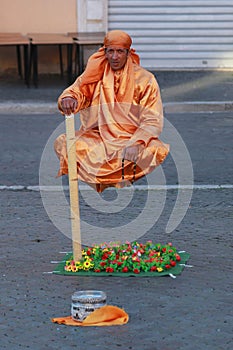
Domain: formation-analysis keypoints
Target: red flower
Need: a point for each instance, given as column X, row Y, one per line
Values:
column 153, row 268
column 110, row 269
column 102, row 263
column 89, row 252
column 125, row 269
column 97, row 270
column 113, row 261
column 136, row 271
column 164, row 250
column 178, row 258
column 136, row 258
column 173, row 263
column 168, row 266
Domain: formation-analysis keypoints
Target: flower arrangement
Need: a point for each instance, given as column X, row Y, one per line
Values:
column 127, row 257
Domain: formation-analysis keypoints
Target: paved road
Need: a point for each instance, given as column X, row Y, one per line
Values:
column 193, row 311
column 175, row 86
column 207, row 137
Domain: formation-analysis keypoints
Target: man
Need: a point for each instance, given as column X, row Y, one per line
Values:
column 121, row 117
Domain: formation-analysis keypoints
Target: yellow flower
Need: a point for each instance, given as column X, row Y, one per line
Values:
column 86, row 264
column 124, row 257
column 78, row 266
column 158, row 254
column 159, row 269
column 69, row 268
column 74, row 268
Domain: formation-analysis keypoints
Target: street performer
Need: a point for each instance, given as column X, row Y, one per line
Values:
column 121, row 117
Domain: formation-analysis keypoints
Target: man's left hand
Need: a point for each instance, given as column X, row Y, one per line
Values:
column 131, row 153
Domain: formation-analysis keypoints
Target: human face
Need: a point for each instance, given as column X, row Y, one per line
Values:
column 116, row 56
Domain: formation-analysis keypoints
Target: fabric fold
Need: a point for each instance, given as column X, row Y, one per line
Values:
column 108, row 315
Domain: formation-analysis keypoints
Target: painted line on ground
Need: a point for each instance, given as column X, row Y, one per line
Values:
column 129, row 188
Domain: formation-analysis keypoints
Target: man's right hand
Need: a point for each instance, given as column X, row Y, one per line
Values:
column 69, row 105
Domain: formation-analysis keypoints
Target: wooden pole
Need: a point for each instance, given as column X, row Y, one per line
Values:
column 73, row 187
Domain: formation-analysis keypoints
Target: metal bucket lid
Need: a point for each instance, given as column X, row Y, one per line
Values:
column 89, row 296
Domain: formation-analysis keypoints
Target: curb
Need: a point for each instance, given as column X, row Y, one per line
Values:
column 198, row 106
column 12, row 107
column 28, row 107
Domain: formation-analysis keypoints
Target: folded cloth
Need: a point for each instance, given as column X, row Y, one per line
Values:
column 105, row 316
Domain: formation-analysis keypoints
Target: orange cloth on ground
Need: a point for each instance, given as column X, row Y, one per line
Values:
column 105, row 316
column 117, row 109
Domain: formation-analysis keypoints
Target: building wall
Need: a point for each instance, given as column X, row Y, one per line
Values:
column 167, row 34
column 38, row 16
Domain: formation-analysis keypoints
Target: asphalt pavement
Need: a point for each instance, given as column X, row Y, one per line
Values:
column 197, row 90
column 192, row 311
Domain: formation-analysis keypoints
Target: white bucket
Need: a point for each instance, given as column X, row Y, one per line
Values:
column 84, row 302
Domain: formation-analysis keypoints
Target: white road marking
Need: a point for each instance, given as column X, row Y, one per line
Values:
column 130, row 188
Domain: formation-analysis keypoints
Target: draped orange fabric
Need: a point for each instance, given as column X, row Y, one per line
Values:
column 117, row 109
column 108, row 315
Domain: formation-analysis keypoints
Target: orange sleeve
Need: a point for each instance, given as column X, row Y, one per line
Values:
column 75, row 92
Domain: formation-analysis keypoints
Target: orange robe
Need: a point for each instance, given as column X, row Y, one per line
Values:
column 122, row 109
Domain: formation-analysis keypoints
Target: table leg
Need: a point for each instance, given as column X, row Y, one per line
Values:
column 81, row 59
column 76, row 60
column 26, row 65
column 35, row 64
column 69, row 62
column 19, row 62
